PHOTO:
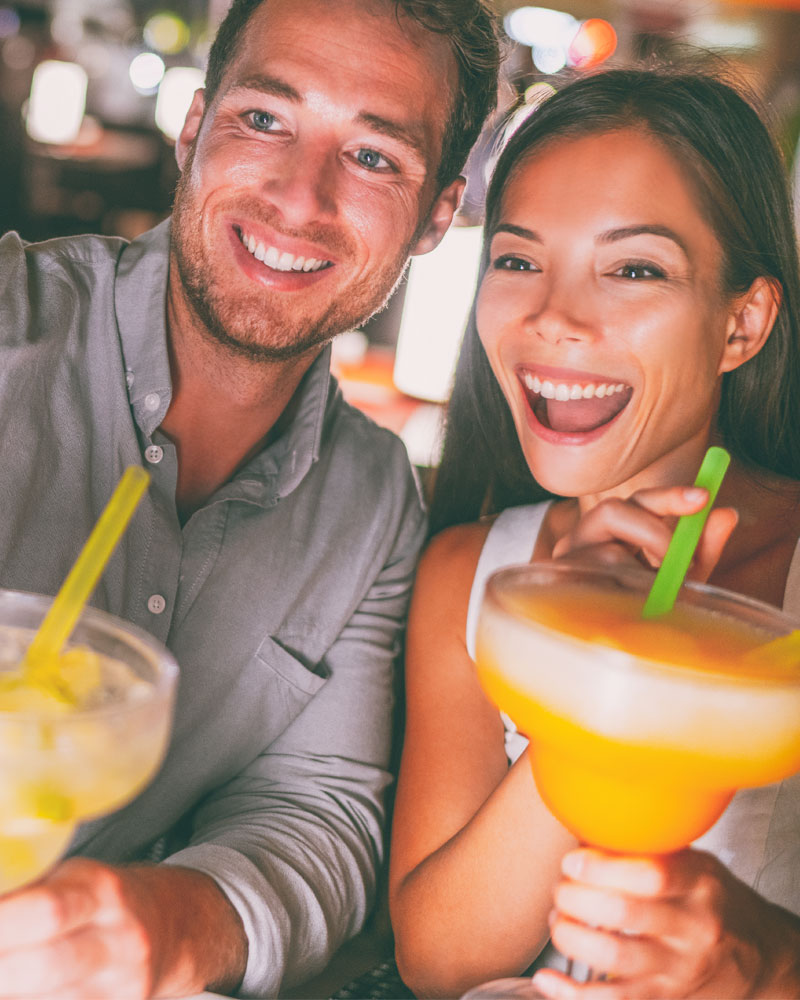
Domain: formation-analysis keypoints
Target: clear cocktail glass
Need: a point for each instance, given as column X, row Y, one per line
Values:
column 640, row 731
column 63, row 761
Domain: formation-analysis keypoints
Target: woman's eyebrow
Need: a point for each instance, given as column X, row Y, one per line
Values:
column 521, row 231
column 624, row 232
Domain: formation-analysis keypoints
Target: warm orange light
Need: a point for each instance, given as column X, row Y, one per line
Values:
column 594, row 42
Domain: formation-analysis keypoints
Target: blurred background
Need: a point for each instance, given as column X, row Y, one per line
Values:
column 93, row 93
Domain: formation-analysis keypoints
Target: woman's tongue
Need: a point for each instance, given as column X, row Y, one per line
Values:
column 578, row 416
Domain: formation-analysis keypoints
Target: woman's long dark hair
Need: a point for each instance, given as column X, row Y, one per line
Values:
column 744, row 193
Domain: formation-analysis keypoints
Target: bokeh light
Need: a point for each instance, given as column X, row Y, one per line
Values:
column 57, row 101
column 146, row 72
column 9, row 22
column 166, row 32
column 594, row 42
column 541, row 27
column 174, row 98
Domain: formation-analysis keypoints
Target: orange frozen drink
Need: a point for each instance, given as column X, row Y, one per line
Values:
column 641, row 731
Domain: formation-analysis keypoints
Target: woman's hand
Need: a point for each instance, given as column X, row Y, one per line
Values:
column 677, row 925
column 638, row 530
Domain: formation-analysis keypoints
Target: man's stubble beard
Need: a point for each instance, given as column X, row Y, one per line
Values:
column 263, row 329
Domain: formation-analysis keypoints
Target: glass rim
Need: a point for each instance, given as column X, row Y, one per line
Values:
column 165, row 666
column 640, row 580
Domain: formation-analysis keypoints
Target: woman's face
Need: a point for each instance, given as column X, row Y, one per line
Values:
column 602, row 315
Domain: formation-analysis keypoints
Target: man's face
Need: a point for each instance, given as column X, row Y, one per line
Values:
column 310, row 178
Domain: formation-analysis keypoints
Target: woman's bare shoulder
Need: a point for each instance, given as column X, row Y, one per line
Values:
column 457, row 547
column 445, row 575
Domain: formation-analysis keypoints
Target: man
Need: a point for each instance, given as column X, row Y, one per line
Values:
column 274, row 550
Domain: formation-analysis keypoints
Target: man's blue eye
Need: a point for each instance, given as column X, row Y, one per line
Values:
column 369, row 158
column 262, row 120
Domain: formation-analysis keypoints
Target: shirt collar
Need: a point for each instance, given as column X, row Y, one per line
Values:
column 141, row 291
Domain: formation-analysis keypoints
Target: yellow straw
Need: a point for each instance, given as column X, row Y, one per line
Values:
column 82, row 578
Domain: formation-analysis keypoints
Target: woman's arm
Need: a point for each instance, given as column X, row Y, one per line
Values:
column 475, row 852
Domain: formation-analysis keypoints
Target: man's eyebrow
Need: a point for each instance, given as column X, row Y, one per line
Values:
column 272, row 85
column 624, row 232
column 384, row 126
column 394, row 130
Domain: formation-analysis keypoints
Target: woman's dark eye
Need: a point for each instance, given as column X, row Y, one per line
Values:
column 510, row 263
column 639, row 272
column 262, row 120
column 371, row 159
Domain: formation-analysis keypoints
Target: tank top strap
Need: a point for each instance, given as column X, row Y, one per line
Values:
column 511, row 539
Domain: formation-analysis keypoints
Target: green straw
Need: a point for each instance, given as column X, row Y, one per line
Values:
column 81, row 580
column 673, row 569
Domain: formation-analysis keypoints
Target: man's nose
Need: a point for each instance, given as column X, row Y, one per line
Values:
column 302, row 187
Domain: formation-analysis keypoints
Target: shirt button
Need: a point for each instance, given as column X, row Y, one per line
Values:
column 154, row 453
column 129, row 379
column 156, row 604
column 152, row 401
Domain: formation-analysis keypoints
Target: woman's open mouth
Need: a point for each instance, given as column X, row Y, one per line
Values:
column 574, row 406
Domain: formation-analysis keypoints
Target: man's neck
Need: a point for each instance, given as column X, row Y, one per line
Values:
column 225, row 408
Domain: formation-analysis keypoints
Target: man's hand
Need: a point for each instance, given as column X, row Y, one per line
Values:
column 677, row 925
column 638, row 530
column 90, row 930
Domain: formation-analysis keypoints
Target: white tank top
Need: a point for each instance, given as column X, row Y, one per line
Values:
column 758, row 835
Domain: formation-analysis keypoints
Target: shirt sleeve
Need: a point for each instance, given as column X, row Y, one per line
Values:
column 296, row 838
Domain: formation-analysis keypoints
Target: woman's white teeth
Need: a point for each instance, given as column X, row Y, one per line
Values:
column 281, row 261
column 562, row 391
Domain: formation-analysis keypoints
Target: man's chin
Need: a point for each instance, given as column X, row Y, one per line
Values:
column 248, row 346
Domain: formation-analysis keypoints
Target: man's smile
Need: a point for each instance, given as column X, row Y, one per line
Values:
column 280, row 260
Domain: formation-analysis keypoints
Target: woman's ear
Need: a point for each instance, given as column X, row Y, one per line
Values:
column 750, row 322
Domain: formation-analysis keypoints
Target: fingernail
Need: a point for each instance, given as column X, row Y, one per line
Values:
column 571, row 865
column 694, row 494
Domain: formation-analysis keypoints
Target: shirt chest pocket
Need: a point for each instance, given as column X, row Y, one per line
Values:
column 287, row 685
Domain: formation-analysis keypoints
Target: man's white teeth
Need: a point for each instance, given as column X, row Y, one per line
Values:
column 281, row 261
column 562, row 391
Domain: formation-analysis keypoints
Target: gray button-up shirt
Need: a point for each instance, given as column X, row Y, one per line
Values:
column 282, row 598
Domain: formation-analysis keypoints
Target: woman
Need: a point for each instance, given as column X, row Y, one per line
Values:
column 638, row 299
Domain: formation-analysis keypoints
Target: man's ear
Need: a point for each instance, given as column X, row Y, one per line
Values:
column 441, row 216
column 191, row 126
column 750, row 322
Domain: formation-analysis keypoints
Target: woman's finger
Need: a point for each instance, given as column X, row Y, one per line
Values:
column 620, row 521
column 617, row 955
column 613, row 911
column 719, row 527
column 603, row 554
column 663, row 875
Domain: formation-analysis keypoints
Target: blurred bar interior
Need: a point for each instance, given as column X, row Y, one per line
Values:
column 93, row 92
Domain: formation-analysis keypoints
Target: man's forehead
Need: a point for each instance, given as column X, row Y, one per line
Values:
column 394, row 74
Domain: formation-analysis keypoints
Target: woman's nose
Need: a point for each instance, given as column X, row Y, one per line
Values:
column 562, row 317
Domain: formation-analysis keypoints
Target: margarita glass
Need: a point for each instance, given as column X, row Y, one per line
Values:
column 640, row 730
column 80, row 744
